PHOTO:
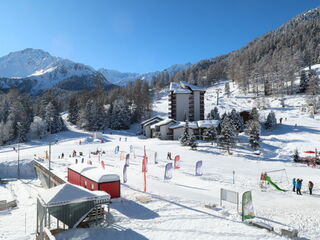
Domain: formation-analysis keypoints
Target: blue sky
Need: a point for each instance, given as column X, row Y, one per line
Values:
column 140, row 35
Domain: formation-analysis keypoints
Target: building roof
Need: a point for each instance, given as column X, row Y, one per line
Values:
column 100, row 176
column 176, row 88
column 192, row 125
column 191, row 86
column 163, row 122
column 208, row 123
column 68, row 193
column 81, row 167
column 151, row 119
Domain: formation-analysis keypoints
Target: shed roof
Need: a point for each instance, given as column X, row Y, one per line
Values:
column 81, row 167
column 68, row 193
column 151, row 119
column 100, row 176
column 163, row 122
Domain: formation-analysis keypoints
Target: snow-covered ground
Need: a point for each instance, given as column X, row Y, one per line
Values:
column 177, row 208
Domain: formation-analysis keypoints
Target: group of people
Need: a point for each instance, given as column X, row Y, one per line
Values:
column 297, row 184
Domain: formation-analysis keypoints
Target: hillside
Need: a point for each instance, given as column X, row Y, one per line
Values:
column 271, row 58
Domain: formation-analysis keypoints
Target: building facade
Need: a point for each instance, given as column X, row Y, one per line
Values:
column 186, row 101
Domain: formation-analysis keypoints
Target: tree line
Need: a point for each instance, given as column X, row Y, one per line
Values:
column 95, row 110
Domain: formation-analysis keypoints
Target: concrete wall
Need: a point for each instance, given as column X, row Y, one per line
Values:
column 164, row 130
column 182, row 106
column 196, row 95
column 147, row 131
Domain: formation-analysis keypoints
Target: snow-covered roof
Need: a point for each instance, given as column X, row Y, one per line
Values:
column 81, row 167
column 192, row 87
column 163, row 122
column 192, row 125
column 208, row 123
column 68, row 193
column 100, row 176
column 151, row 119
column 176, row 88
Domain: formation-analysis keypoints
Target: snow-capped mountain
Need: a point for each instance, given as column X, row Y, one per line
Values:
column 123, row 78
column 34, row 70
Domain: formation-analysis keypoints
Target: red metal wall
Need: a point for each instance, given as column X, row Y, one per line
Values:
column 113, row 188
column 88, row 184
column 73, row 177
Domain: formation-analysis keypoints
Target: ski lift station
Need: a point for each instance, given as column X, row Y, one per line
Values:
column 93, row 178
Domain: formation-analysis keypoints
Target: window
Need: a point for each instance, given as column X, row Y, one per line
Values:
column 85, row 183
column 92, row 186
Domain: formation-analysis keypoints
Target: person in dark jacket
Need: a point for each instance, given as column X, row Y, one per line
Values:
column 310, row 186
column 299, row 185
column 294, row 182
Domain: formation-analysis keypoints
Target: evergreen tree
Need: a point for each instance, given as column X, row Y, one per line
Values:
column 296, row 156
column 73, row 110
column 254, row 115
column 303, row 82
column 253, row 131
column 187, row 139
column 214, row 114
column 271, row 121
column 38, row 127
column 237, row 120
column 120, row 118
column 210, row 134
column 313, row 83
column 228, row 135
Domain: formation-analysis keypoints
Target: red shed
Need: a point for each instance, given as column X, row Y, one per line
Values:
column 94, row 178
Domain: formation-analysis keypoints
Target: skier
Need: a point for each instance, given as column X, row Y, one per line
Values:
column 294, row 183
column 82, row 160
column 310, row 186
column 62, row 155
column 299, row 185
column 169, row 156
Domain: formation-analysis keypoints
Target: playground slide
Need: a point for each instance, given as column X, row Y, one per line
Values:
column 273, row 184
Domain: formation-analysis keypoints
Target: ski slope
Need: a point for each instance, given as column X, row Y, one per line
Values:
column 176, row 210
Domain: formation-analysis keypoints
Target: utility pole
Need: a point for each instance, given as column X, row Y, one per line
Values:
column 50, row 164
column 218, row 90
column 18, row 160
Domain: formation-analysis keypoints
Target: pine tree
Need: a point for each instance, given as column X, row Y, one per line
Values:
column 120, row 118
column 73, row 110
column 296, row 156
column 38, row 127
column 303, row 82
column 313, row 83
column 254, row 115
column 228, row 135
column 237, row 120
column 271, row 121
column 252, row 129
column 210, row 134
column 185, row 137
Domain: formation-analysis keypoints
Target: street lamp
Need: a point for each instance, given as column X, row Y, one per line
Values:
column 50, row 129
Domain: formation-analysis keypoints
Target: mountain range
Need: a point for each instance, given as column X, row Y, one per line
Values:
column 33, row 70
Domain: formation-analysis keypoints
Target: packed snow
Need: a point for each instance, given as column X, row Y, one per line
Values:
column 177, row 207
